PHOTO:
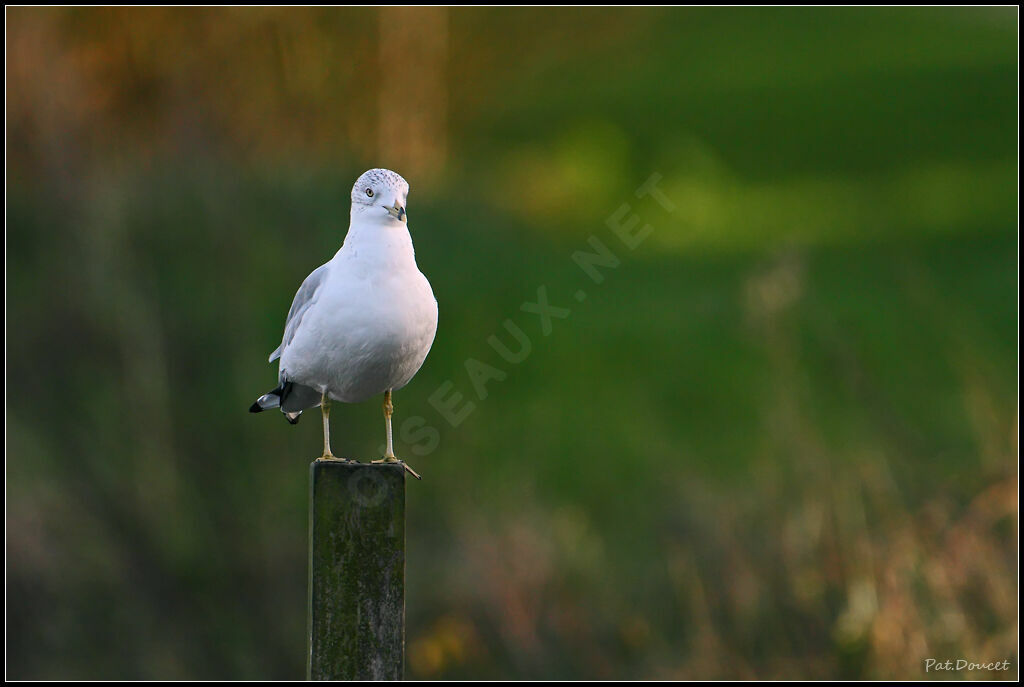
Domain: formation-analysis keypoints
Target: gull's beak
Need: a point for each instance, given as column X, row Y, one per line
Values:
column 396, row 211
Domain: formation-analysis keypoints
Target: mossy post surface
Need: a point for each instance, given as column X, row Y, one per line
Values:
column 356, row 571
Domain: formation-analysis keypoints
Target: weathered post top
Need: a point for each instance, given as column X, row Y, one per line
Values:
column 356, row 571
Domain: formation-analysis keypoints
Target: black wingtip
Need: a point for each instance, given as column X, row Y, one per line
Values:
column 255, row 408
column 295, row 421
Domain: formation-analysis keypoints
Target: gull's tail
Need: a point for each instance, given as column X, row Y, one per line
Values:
column 272, row 399
column 290, row 398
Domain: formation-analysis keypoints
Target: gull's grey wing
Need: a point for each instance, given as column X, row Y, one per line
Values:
column 304, row 298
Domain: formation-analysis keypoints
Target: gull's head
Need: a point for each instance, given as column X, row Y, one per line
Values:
column 380, row 192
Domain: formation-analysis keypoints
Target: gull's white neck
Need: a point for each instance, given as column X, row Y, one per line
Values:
column 382, row 241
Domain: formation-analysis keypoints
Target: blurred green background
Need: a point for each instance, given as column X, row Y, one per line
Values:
column 778, row 441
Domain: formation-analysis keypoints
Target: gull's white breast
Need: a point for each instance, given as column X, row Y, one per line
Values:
column 370, row 329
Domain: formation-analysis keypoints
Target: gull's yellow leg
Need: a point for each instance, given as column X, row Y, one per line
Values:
column 389, row 454
column 325, row 409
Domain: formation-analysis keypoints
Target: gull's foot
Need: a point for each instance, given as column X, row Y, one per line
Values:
column 410, row 470
column 391, row 459
column 334, row 459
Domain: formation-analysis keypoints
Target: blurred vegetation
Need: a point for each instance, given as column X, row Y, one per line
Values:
column 778, row 441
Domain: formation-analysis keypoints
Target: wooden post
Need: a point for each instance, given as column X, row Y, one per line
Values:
column 356, row 571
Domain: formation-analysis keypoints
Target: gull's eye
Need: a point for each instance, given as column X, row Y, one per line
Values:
column 369, row 193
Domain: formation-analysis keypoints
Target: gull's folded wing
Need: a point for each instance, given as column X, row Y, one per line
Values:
column 304, row 298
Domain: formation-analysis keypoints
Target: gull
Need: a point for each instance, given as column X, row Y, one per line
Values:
column 362, row 323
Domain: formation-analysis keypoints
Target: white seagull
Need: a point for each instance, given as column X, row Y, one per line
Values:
column 361, row 324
